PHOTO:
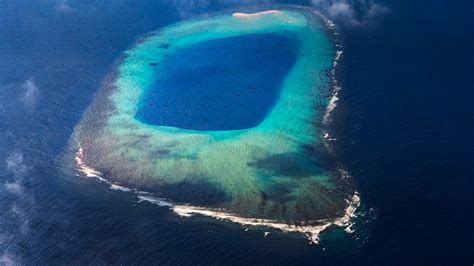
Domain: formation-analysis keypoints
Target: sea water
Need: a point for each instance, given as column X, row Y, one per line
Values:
column 403, row 125
column 225, row 84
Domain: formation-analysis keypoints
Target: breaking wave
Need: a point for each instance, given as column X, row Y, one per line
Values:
column 312, row 232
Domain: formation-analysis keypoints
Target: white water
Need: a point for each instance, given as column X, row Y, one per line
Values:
column 312, row 232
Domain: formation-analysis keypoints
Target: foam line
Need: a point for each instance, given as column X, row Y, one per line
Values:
column 312, row 232
column 84, row 168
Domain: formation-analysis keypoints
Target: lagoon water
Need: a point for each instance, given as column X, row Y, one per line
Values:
column 224, row 84
column 403, row 125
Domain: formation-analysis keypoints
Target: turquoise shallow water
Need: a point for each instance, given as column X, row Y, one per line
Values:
column 273, row 164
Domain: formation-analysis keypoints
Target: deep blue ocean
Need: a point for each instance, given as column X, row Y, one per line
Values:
column 403, row 124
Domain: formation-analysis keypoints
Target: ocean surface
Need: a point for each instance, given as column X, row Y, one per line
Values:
column 403, row 128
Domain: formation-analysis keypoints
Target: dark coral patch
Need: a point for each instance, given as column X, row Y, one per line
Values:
column 287, row 164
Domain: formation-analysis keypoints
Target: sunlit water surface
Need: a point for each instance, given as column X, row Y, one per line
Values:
column 401, row 129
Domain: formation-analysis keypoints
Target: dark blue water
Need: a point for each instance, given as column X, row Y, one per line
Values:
column 224, row 84
column 404, row 126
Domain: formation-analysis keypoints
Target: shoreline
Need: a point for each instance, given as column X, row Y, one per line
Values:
column 312, row 232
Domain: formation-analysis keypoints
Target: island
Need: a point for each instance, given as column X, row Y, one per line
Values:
column 223, row 116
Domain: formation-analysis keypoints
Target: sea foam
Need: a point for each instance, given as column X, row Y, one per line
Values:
column 312, row 232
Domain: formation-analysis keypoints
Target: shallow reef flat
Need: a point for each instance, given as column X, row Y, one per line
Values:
column 153, row 125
